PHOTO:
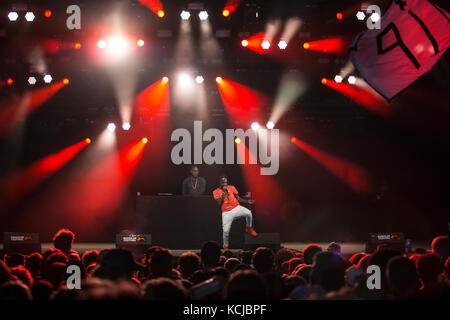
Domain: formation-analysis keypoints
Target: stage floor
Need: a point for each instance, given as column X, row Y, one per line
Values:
column 347, row 248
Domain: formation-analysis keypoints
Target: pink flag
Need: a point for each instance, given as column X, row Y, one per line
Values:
column 414, row 34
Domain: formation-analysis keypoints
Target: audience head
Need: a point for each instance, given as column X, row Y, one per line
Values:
column 281, row 256
column 161, row 262
column 15, row 260
column 41, row 290
column 231, row 264
column 210, row 254
column 402, row 278
column 33, row 263
column 328, row 271
column 429, row 267
column 23, row 275
column 246, row 285
column 14, row 290
column 441, row 247
column 188, row 263
column 263, row 260
column 63, row 240
column 116, row 264
column 309, row 252
column 89, row 257
column 163, row 289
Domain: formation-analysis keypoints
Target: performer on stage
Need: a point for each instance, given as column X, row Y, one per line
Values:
column 194, row 185
column 229, row 201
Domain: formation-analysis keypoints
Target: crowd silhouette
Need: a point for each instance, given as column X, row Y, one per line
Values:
column 313, row 273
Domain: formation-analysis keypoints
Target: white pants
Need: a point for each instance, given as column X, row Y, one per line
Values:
column 228, row 218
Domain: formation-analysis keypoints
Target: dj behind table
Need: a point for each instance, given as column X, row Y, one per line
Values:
column 184, row 222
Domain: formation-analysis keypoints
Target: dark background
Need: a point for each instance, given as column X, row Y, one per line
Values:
column 406, row 153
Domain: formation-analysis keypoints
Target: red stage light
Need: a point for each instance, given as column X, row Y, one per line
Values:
column 218, row 79
column 77, row 45
column 10, row 81
column 306, row 45
column 161, row 13
column 87, row 140
column 324, row 81
column 165, row 79
column 140, row 43
column 244, row 43
column 339, row 15
column 66, row 81
column 47, row 13
column 144, row 140
column 336, row 45
column 293, row 139
column 226, row 13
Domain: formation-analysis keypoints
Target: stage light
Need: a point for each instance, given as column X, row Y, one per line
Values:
column 161, row 13
column 352, row 80
column 126, row 126
column 255, row 126
column 32, row 80
column 183, row 77
column 270, row 125
column 9, row 81
column 117, row 45
column 185, row 15
column 77, row 45
column 360, row 15
column 237, row 140
column 282, row 44
column 339, row 15
column 144, row 140
column 165, row 79
column 47, row 13
column 338, row 79
column 29, row 16
column 265, row 44
column 87, row 140
column 306, row 45
column 324, row 81
column 140, row 43
column 226, row 13
column 218, row 79
column 244, row 43
column 111, row 126
column 13, row 16
column 65, row 81
column 48, row 78
column 101, row 44
column 375, row 17
column 293, row 139
column 203, row 15
column 199, row 79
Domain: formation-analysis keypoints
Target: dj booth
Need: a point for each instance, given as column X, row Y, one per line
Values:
column 184, row 222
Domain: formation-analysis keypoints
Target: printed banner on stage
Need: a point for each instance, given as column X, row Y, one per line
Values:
column 413, row 36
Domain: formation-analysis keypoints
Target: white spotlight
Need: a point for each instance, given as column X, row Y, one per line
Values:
column 29, row 16
column 111, row 126
column 13, row 16
column 360, row 15
column 352, row 80
column 32, row 80
column 203, row 15
column 375, row 17
column 255, row 126
column 101, row 44
column 126, row 126
column 270, row 125
column 338, row 79
column 184, row 78
column 185, row 15
column 265, row 44
column 199, row 79
column 282, row 44
column 48, row 78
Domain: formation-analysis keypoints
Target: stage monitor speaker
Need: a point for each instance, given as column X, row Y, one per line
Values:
column 136, row 243
column 395, row 240
column 269, row 240
column 22, row 243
